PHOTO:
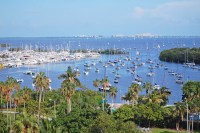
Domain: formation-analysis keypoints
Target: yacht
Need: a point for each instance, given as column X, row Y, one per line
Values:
column 136, row 82
column 117, row 75
column 86, row 72
column 116, row 80
column 179, row 81
column 97, row 70
column 156, row 87
column 20, row 80
column 150, row 74
column 29, row 72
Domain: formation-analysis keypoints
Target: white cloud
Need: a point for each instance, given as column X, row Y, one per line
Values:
column 185, row 11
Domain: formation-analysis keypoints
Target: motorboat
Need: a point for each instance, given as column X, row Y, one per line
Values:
column 20, row 80
column 86, row 72
column 156, row 87
column 150, row 74
column 136, row 82
column 179, row 81
column 97, row 70
column 116, row 80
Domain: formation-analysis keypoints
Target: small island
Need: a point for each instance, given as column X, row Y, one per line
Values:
column 181, row 55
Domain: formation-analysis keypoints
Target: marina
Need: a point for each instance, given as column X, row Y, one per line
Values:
column 139, row 66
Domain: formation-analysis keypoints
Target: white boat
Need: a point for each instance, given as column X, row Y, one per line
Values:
column 179, row 81
column 156, row 87
column 76, row 69
column 89, row 68
column 179, row 75
column 86, row 72
column 29, row 72
column 194, row 67
column 117, row 75
column 150, row 74
column 105, row 66
column 20, row 80
column 97, row 70
column 106, row 89
column 165, row 68
column 93, row 63
column 136, row 82
column 116, row 80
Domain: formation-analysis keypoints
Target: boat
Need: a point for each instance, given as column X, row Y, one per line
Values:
column 86, row 72
column 138, row 78
column 156, row 87
column 76, row 69
column 194, row 67
column 97, row 70
column 165, row 68
column 106, row 88
column 136, row 82
column 93, row 63
column 29, row 72
column 89, row 68
column 179, row 81
column 20, row 80
column 117, row 75
column 179, row 75
column 116, row 80
column 150, row 74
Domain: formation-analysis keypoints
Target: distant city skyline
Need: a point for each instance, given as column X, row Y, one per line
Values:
column 63, row 18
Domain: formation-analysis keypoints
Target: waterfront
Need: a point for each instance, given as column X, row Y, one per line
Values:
column 148, row 48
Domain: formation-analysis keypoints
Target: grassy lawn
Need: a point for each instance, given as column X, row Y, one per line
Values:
column 158, row 130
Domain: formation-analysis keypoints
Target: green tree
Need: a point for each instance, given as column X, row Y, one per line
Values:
column 105, row 84
column 96, row 83
column 71, row 77
column 147, row 86
column 113, row 93
column 2, row 90
column 133, row 93
column 26, row 123
column 41, row 83
column 26, row 95
column 178, row 113
column 68, row 91
column 104, row 124
column 11, row 85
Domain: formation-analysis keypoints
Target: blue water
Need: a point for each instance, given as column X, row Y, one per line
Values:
column 148, row 48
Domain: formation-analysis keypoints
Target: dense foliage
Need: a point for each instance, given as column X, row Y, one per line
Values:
column 181, row 55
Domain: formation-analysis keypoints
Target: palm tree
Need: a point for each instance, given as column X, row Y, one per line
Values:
column 126, row 98
column 70, row 76
column 148, row 86
column 133, row 93
column 96, row 83
column 16, row 100
column 11, row 84
column 105, row 84
column 41, row 83
column 26, row 94
column 164, row 93
column 68, row 91
column 26, row 124
column 154, row 97
column 2, row 90
column 68, row 86
column 113, row 93
column 178, row 113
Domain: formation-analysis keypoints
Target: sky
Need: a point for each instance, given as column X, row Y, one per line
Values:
column 62, row 18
